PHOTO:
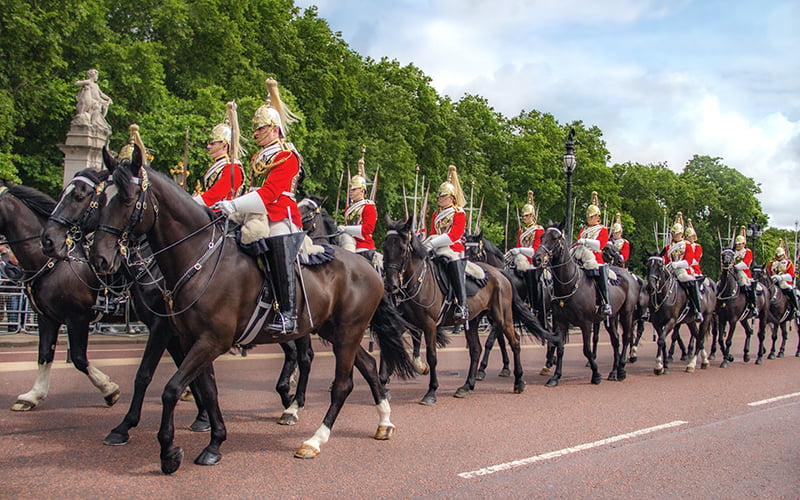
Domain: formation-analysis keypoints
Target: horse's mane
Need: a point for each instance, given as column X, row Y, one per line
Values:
column 37, row 201
column 93, row 174
column 404, row 227
column 492, row 248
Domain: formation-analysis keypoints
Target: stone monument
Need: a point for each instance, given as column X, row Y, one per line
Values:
column 88, row 130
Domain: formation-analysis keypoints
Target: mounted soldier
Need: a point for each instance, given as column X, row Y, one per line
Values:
column 743, row 259
column 781, row 271
column 448, row 224
column 622, row 245
column 678, row 257
column 280, row 164
column 593, row 238
column 217, row 179
column 697, row 250
column 528, row 240
column 360, row 217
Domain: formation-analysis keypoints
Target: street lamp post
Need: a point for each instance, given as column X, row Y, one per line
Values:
column 754, row 231
column 569, row 167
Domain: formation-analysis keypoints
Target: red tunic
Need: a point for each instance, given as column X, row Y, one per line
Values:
column 282, row 167
column 599, row 233
column 218, row 181
column 530, row 237
column 680, row 251
column 623, row 246
column 697, row 254
column 363, row 213
column 746, row 256
column 775, row 266
column 453, row 223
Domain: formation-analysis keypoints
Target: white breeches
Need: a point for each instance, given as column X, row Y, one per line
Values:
column 283, row 226
column 450, row 254
column 683, row 276
column 743, row 279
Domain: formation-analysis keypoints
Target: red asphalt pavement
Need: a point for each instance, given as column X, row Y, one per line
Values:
column 678, row 435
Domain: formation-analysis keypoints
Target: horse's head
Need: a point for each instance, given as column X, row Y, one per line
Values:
column 316, row 221
column 399, row 247
column 656, row 271
column 612, row 255
column 76, row 214
column 727, row 259
column 474, row 247
column 127, row 212
column 551, row 247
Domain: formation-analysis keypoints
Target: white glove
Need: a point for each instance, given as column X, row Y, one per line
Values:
column 199, row 200
column 786, row 277
column 681, row 264
column 225, row 206
column 526, row 251
column 581, row 241
column 740, row 266
column 513, row 252
column 775, row 278
column 441, row 240
column 354, row 230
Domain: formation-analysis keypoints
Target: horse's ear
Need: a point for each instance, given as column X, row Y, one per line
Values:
column 109, row 161
column 561, row 225
column 323, row 200
column 407, row 225
column 136, row 161
column 388, row 220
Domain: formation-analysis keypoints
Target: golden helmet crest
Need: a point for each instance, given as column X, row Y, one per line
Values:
column 452, row 187
column 780, row 252
column 689, row 232
column 274, row 112
column 221, row 133
column 677, row 227
column 126, row 151
column 529, row 208
column 742, row 236
column 360, row 179
column 616, row 227
column 594, row 206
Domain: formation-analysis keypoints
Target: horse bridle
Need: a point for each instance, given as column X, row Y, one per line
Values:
column 726, row 268
column 74, row 231
column 123, row 235
column 562, row 247
column 659, row 288
column 420, row 272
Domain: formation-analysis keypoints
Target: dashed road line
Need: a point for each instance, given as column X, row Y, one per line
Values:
column 772, row 400
column 567, row 451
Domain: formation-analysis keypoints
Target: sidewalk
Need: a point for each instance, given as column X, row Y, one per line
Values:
column 32, row 340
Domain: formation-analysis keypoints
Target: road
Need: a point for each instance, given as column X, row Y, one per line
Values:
column 716, row 433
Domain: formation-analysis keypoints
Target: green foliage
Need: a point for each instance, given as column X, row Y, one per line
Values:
column 171, row 65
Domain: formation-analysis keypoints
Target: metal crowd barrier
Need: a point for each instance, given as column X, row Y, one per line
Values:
column 17, row 316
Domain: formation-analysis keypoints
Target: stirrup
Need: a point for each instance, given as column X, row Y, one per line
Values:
column 286, row 325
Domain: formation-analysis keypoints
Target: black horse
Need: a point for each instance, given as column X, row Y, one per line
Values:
column 669, row 308
column 199, row 260
column 574, row 303
column 642, row 312
column 66, row 234
column 732, row 308
column 61, row 293
column 780, row 313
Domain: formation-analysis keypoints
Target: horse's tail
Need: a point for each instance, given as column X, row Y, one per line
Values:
column 524, row 316
column 388, row 326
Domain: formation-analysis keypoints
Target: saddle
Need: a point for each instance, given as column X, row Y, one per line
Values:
column 477, row 278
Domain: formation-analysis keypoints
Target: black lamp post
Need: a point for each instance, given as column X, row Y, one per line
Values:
column 754, row 231
column 569, row 167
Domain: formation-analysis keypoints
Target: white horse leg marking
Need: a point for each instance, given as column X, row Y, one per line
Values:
column 319, row 438
column 635, row 351
column 692, row 362
column 102, row 381
column 384, row 411
column 40, row 388
column 293, row 409
column 659, row 362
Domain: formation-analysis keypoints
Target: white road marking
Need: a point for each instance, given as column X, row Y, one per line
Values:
column 566, row 451
column 772, row 400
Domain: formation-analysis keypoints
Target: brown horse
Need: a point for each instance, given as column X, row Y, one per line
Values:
column 212, row 289
column 411, row 279
column 62, row 293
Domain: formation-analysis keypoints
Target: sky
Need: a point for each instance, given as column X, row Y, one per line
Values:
column 663, row 80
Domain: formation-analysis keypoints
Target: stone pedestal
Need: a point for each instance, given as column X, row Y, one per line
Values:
column 83, row 149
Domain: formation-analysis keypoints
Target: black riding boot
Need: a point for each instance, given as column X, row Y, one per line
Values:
column 601, row 283
column 751, row 298
column 281, row 258
column 531, row 285
column 456, row 271
column 792, row 296
column 692, row 289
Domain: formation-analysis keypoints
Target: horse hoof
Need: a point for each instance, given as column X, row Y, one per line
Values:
column 428, row 401
column 208, row 458
column 633, row 359
column 112, row 398
column 481, row 375
column 187, row 395
column 553, row 382
column 797, row 354
column 613, row 377
column 780, row 354
column 545, row 372
column 724, row 363
column 712, row 357
column 200, row 424
column 746, row 358
column 22, row 405
column 420, row 367
column 659, row 371
column 771, row 356
column 306, row 451
column 669, row 358
column 689, row 369
column 288, row 419
column 683, row 357
column 596, row 379
column 759, row 361
column 519, row 388
column 504, row 373
column 384, row 432
column 704, row 366
column 461, row 393
column 116, row 439
column 172, row 462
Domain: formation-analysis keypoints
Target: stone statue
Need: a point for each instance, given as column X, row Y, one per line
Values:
column 92, row 105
